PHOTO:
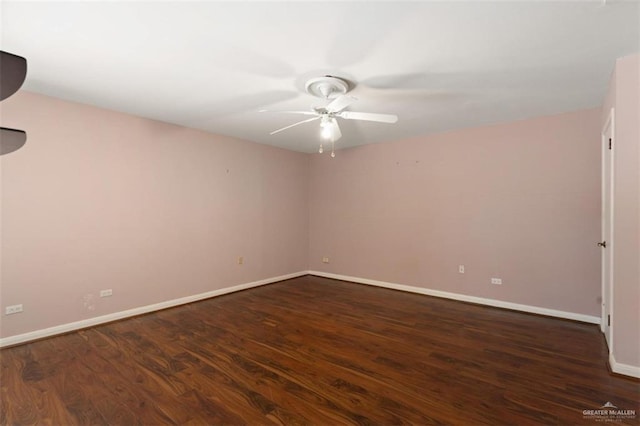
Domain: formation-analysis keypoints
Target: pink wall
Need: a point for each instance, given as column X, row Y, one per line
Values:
column 624, row 96
column 517, row 201
column 98, row 199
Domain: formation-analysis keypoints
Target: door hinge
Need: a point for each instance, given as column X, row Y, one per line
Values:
column 609, row 320
column 609, row 143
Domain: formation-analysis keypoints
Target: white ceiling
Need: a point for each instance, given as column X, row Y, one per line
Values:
column 214, row 65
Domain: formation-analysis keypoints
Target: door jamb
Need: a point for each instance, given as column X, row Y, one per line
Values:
column 610, row 122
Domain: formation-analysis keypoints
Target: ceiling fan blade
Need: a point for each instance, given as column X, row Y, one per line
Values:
column 13, row 71
column 291, row 112
column 369, row 116
column 295, row 124
column 337, row 134
column 11, row 140
column 340, row 103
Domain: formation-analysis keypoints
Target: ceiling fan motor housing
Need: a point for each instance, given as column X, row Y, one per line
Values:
column 327, row 87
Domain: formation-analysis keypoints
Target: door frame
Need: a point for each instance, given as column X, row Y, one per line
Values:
column 608, row 252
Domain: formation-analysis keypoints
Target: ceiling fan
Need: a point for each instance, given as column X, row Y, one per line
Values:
column 333, row 89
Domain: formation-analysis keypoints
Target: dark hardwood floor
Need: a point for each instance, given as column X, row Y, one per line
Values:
column 316, row 351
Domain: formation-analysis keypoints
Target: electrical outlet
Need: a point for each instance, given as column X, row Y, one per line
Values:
column 106, row 293
column 325, row 260
column 240, row 260
column 13, row 309
column 461, row 269
column 496, row 281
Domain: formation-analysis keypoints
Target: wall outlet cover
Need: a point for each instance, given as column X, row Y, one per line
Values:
column 13, row 309
column 106, row 293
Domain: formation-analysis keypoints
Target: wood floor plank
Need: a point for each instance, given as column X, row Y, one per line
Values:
column 316, row 351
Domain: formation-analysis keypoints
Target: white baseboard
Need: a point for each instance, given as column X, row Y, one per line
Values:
column 465, row 298
column 625, row 369
column 72, row 326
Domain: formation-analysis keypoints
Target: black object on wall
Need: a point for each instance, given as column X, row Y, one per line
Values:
column 11, row 140
column 13, row 71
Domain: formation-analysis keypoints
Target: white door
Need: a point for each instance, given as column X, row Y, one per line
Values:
column 606, row 244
